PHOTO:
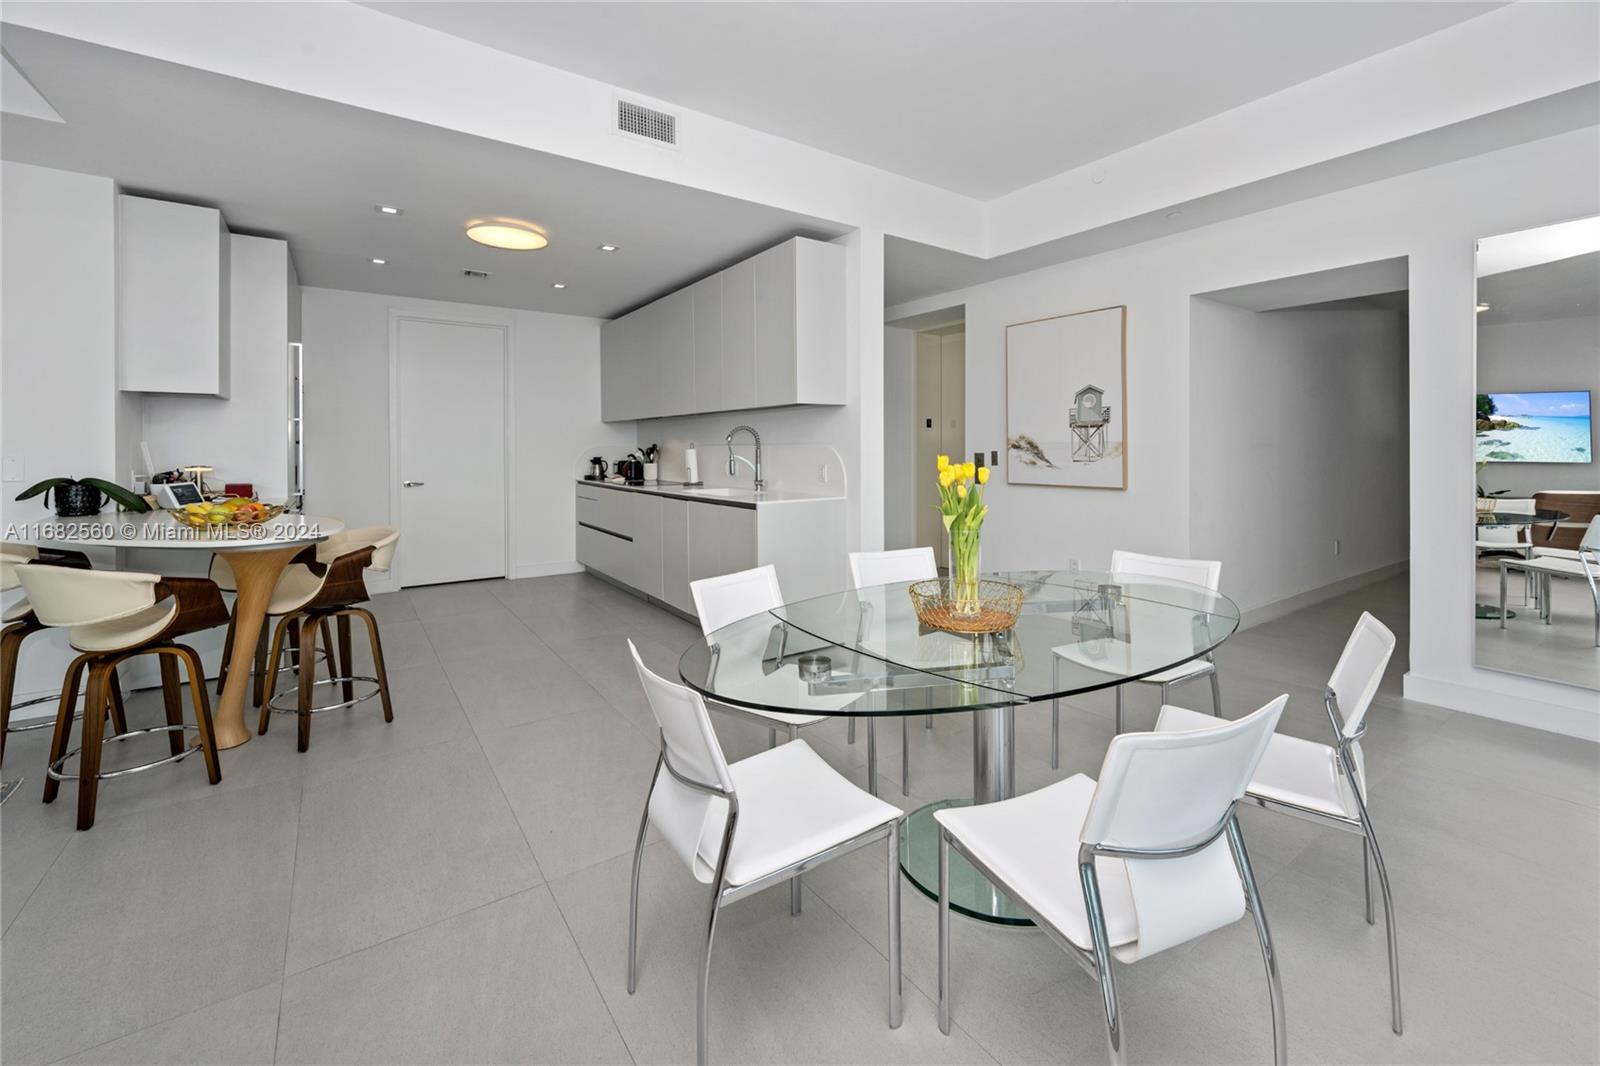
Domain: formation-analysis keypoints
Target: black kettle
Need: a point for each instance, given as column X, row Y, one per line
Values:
column 631, row 469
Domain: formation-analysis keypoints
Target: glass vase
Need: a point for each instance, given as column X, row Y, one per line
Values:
column 965, row 544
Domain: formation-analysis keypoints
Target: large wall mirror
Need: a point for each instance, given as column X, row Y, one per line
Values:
column 1537, row 518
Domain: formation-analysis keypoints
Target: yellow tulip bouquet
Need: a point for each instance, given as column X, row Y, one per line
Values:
column 963, row 510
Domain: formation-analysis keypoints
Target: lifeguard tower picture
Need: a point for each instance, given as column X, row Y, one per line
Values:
column 1089, row 419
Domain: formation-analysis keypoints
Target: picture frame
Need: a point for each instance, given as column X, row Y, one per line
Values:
column 1067, row 400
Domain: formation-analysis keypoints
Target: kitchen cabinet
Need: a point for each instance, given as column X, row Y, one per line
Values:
column 766, row 332
column 172, row 298
column 657, row 544
column 739, row 336
column 707, row 296
column 675, row 554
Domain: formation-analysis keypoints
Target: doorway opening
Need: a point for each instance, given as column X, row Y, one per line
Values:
column 925, row 399
column 1299, row 438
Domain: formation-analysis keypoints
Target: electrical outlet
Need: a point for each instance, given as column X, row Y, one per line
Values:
column 1336, row 546
column 13, row 468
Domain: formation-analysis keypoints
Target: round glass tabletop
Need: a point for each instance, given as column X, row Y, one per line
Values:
column 1518, row 518
column 864, row 653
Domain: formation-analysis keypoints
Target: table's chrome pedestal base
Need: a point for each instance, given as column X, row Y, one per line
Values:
column 970, row 892
column 1489, row 612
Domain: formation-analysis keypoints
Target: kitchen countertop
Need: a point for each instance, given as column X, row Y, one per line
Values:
column 726, row 496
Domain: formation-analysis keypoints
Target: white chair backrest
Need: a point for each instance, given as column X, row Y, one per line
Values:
column 892, row 567
column 1515, row 504
column 1359, row 670
column 1161, row 791
column 63, row 596
column 1203, row 572
column 382, row 539
column 722, row 601
column 689, row 820
column 1591, row 536
column 11, row 557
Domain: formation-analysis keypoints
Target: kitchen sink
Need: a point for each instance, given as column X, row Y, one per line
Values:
column 719, row 492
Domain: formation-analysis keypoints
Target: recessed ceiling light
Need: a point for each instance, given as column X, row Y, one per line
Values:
column 608, row 248
column 1482, row 307
column 559, row 285
column 1174, row 214
column 378, row 262
column 386, row 209
column 507, row 233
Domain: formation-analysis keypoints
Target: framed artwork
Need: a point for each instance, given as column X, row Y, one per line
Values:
column 1067, row 400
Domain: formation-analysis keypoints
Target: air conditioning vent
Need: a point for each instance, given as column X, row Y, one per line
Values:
column 475, row 273
column 636, row 120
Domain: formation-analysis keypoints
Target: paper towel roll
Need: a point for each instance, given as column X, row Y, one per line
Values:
column 691, row 466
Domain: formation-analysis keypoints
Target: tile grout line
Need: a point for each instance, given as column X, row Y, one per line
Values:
column 288, row 920
column 604, row 1002
column 159, row 1022
column 59, row 852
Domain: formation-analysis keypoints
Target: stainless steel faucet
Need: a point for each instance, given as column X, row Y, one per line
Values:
column 755, row 467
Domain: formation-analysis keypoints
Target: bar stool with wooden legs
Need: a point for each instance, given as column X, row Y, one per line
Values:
column 222, row 574
column 20, row 623
column 326, row 583
column 111, row 617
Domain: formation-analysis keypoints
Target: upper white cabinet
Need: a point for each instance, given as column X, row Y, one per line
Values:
column 767, row 332
column 172, row 298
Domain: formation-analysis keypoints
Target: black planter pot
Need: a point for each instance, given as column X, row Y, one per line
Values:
column 77, row 500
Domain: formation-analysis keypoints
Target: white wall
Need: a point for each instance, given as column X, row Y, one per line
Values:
column 245, row 436
column 1433, row 217
column 1559, row 354
column 1298, row 439
column 58, row 339
column 555, row 375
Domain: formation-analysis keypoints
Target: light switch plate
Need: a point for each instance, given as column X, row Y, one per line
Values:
column 12, row 468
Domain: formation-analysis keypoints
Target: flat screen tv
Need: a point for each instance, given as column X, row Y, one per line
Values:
column 1535, row 427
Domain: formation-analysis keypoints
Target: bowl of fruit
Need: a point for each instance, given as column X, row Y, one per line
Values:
column 232, row 511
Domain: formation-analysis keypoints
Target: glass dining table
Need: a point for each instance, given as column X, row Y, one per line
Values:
column 864, row 653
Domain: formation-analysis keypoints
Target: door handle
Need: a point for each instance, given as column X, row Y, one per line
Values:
column 413, row 484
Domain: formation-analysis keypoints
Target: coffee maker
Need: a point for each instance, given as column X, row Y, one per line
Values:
column 597, row 469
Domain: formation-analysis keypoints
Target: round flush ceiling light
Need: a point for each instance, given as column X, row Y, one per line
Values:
column 1482, row 307
column 506, row 233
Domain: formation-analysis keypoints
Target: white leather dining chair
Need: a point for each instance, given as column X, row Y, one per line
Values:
column 750, row 825
column 1127, row 566
column 1326, row 784
column 1545, row 564
column 1150, row 870
column 868, row 569
column 1512, row 539
column 729, row 598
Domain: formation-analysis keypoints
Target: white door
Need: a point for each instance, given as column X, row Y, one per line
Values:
column 452, row 453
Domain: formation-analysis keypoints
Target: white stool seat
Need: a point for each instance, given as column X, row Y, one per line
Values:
column 1031, row 842
column 792, row 805
column 1556, row 553
column 1549, row 564
column 1298, row 772
column 18, row 611
column 296, row 588
column 126, row 632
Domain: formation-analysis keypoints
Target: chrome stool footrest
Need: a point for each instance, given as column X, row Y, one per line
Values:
column 37, row 723
column 292, row 694
column 54, row 769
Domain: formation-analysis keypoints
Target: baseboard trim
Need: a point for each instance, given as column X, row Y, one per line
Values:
column 570, row 566
column 1267, row 612
column 1582, row 723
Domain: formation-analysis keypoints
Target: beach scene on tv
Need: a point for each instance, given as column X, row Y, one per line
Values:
column 1534, row 427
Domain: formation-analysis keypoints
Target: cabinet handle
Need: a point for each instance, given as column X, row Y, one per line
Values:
column 413, row 484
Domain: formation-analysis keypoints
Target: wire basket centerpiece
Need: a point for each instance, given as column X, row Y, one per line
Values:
column 949, row 605
column 230, row 512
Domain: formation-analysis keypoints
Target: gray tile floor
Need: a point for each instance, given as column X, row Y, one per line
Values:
column 452, row 887
column 1563, row 649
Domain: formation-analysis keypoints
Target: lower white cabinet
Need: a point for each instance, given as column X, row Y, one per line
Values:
column 657, row 544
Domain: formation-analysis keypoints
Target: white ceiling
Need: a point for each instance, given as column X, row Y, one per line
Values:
column 308, row 170
column 979, row 98
column 1542, row 244
column 1356, row 282
column 1566, row 288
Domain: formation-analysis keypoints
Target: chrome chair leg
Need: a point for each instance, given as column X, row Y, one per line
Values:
column 1280, row 1031
column 1119, row 710
column 794, row 895
column 703, row 990
column 1366, row 875
column 944, row 931
column 896, row 985
column 772, row 738
column 872, row 756
column 1055, row 714
column 1102, row 960
column 633, row 891
column 905, row 755
column 1216, row 694
column 1396, row 1018
column 850, row 732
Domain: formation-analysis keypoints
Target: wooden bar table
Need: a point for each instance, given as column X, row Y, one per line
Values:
column 257, row 555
